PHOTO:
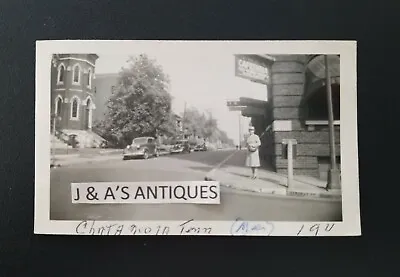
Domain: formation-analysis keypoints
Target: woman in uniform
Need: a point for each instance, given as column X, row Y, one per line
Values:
column 253, row 159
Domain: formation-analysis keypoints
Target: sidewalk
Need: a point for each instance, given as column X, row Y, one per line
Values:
column 269, row 182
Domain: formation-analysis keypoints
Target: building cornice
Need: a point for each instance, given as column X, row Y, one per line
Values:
column 77, row 59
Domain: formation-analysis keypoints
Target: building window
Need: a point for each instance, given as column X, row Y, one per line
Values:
column 75, row 108
column 89, row 78
column 61, row 74
column 317, row 105
column 58, row 106
column 76, row 74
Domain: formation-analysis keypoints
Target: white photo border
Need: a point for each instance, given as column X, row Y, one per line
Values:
column 349, row 226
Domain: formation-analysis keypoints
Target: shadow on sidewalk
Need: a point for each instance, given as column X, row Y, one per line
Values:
column 259, row 178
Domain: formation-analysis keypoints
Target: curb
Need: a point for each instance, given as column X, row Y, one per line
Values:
column 67, row 162
column 269, row 191
column 110, row 156
column 334, row 196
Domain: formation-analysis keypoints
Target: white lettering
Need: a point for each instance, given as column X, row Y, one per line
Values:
column 252, row 70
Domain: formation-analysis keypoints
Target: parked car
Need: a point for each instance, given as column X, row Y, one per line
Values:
column 181, row 146
column 143, row 147
column 200, row 147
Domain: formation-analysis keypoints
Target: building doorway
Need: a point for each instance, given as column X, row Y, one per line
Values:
column 58, row 111
column 89, row 114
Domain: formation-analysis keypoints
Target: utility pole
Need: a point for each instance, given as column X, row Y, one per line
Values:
column 240, row 131
column 183, row 121
column 334, row 173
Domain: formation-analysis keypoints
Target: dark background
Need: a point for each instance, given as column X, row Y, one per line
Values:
column 373, row 24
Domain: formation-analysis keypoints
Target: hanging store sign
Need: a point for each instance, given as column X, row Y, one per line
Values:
column 249, row 67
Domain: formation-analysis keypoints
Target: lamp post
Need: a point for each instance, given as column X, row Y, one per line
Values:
column 333, row 173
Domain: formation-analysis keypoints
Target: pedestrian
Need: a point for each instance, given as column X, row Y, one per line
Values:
column 253, row 159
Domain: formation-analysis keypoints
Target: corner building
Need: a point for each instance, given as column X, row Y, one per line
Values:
column 73, row 94
column 297, row 108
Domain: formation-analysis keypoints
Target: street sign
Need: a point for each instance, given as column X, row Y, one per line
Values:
column 248, row 67
column 233, row 103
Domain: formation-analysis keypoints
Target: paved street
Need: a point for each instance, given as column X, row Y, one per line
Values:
column 184, row 167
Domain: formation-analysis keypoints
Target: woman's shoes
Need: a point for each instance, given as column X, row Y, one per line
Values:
column 253, row 177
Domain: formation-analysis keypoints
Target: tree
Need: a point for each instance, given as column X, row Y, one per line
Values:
column 211, row 128
column 141, row 104
column 205, row 126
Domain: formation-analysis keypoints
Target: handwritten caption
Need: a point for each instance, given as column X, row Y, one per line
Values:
column 238, row 227
column 199, row 192
column 315, row 229
column 188, row 227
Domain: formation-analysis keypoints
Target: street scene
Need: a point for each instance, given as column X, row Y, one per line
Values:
column 267, row 132
column 235, row 203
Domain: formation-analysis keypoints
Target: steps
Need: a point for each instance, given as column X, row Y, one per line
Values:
column 86, row 138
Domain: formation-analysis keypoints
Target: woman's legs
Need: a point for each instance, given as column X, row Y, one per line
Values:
column 253, row 171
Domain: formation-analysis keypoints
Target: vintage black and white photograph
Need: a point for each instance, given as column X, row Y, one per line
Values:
column 134, row 131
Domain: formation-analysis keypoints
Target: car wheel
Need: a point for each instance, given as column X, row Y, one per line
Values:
column 145, row 155
column 124, row 158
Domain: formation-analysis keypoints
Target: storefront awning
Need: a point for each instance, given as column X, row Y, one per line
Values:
column 253, row 107
column 245, row 101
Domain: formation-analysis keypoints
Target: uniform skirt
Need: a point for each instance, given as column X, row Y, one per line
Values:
column 253, row 159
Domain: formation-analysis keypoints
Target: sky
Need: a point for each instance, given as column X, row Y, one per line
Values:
column 203, row 80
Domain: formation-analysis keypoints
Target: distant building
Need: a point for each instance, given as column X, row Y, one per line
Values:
column 105, row 85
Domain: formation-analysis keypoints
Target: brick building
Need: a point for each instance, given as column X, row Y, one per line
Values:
column 73, row 97
column 104, row 88
column 296, row 109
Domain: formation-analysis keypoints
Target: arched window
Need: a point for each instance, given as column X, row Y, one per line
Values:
column 58, row 106
column 61, row 74
column 89, row 78
column 76, row 74
column 75, row 108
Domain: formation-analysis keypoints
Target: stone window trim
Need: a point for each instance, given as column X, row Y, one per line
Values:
column 61, row 65
column 78, row 103
column 56, row 107
column 84, row 103
column 79, row 74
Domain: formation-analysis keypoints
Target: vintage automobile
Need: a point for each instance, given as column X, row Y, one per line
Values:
column 143, row 147
column 200, row 147
column 181, row 146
